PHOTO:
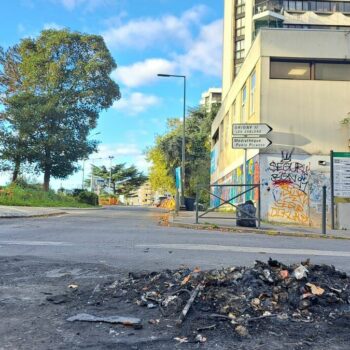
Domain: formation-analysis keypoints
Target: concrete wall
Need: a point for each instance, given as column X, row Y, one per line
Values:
column 343, row 217
column 291, row 189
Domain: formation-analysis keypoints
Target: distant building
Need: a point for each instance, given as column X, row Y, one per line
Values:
column 142, row 196
column 145, row 194
column 286, row 64
column 211, row 97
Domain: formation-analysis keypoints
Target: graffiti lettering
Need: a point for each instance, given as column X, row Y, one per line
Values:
column 288, row 172
column 290, row 203
column 289, row 181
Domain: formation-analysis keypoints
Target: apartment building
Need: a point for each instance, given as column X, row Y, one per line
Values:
column 293, row 73
column 211, row 97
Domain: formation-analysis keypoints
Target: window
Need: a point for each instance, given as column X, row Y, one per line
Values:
column 290, row 70
column 244, row 103
column 240, row 24
column 237, row 68
column 239, row 49
column 252, row 92
column 240, row 7
column 332, row 71
column 299, row 5
column 323, row 6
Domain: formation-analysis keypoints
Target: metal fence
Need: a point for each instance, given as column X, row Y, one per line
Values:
column 222, row 201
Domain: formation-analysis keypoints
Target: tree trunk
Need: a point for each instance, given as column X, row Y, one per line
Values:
column 47, row 175
column 16, row 170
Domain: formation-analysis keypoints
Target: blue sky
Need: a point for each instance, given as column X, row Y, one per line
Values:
column 145, row 37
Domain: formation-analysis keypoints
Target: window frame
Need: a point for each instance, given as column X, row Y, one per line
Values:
column 313, row 67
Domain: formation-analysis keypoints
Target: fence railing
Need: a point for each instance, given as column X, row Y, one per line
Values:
column 222, row 201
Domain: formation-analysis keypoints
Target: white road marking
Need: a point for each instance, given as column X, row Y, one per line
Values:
column 35, row 243
column 239, row 249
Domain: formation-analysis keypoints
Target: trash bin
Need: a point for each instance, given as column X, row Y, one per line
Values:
column 189, row 203
column 245, row 214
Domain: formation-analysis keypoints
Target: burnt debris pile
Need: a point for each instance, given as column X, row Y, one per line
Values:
column 242, row 296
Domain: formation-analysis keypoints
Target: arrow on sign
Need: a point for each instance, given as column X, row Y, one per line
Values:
column 251, row 129
column 250, row 142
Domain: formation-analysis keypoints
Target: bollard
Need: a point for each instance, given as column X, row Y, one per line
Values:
column 324, row 210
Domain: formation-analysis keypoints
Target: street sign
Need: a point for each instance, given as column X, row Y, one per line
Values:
column 250, row 142
column 341, row 171
column 250, row 129
column 178, row 178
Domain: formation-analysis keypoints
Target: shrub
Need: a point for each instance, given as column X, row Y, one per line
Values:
column 87, row 197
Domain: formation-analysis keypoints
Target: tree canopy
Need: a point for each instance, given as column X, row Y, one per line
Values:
column 124, row 180
column 165, row 155
column 64, row 84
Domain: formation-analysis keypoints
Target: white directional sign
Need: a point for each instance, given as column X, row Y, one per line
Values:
column 250, row 142
column 341, row 166
column 250, row 129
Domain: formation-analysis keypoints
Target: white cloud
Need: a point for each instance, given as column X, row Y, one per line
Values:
column 205, row 55
column 52, row 25
column 89, row 4
column 122, row 152
column 141, row 73
column 136, row 103
column 145, row 32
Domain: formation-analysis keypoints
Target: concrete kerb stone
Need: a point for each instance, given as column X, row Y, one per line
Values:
column 43, row 215
column 214, row 227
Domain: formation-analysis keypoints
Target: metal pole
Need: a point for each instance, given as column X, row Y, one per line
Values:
column 82, row 182
column 245, row 171
column 183, row 148
column 110, row 171
column 324, row 209
column 332, row 193
column 259, row 207
column 197, row 199
column 92, row 178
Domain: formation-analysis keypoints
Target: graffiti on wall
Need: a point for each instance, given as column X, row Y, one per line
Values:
column 289, row 185
column 319, row 179
column 214, row 159
column 236, row 177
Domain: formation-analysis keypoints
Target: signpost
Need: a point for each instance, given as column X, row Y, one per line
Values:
column 340, row 178
column 250, row 142
column 248, row 136
column 250, row 129
column 341, row 173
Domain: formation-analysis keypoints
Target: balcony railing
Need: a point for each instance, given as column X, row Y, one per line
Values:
column 302, row 6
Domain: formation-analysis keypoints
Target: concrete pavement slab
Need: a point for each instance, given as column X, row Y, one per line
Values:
column 226, row 222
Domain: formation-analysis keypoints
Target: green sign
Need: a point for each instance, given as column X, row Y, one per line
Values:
column 341, row 170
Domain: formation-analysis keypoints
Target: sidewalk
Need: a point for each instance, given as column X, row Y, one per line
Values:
column 224, row 222
column 11, row 212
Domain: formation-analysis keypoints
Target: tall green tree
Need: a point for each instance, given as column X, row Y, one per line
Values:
column 124, row 180
column 65, row 76
column 159, row 176
column 13, row 145
column 169, row 145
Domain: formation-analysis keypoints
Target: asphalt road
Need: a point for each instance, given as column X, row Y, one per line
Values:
column 130, row 239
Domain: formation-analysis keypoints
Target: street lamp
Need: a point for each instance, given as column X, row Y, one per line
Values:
column 84, row 160
column 110, row 171
column 183, row 135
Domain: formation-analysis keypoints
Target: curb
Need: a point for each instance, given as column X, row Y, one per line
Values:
column 32, row 216
column 213, row 227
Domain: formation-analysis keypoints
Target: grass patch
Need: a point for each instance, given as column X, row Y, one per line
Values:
column 35, row 197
